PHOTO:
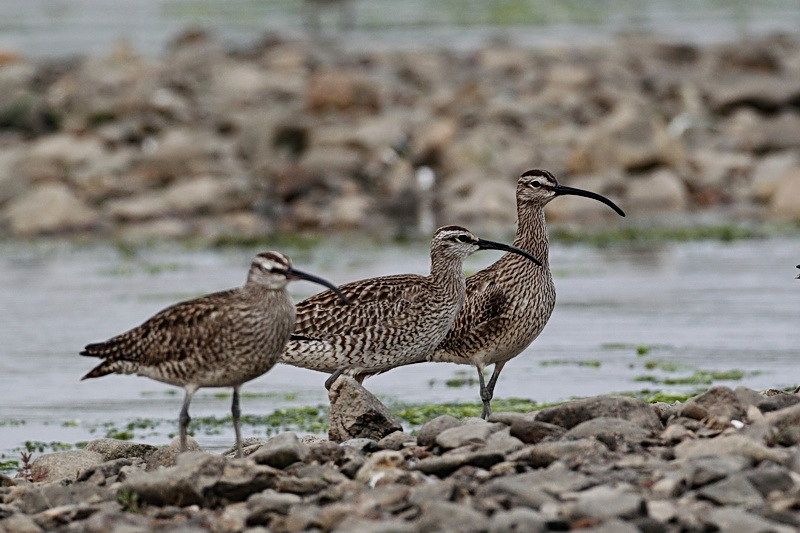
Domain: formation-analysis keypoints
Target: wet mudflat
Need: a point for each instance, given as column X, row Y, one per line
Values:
column 668, row 317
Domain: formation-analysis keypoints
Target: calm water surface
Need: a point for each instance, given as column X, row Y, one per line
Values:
column 47, row 28
column 703, row 305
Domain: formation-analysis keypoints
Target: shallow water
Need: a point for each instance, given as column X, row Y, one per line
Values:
column 702, row 305
column 47, row 28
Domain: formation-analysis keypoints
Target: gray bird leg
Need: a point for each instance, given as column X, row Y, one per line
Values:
column 236, row 412
column 184, row 417
column 333, row 377
column 487, row 391
column 485, row 396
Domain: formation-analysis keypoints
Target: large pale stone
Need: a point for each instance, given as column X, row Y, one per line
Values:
column 48, row 208
column 786, row 200
column 660, row 191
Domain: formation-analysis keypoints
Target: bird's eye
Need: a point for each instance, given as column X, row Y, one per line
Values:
column 536, row 184
column 462, row 238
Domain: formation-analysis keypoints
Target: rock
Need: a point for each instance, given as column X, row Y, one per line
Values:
column 769, row 172
column 502, row 442
column 612, row 526
column 733, row 490
column 574, row 453
column 47, row 209
column 764, row 92
column 604, row 502
column 533, row 431
column 785, row 202
column 362, row 445
column 63, row 465
column 381, row 466
column 511, row 492
column 112, row 449
column 660, row 191
column 463, row 435
column 363, row 525
column 770, row 478
column 269, row 501
column 168, row 455
column 730, row 444
column 396, row 441
column 447, row 464
column 555, row 479
column 610, row 431
column 479, row 202
column 718, row 403
column 752, row 132
column 705, row 469
column 430, row 430
column 19, row 523
column 281, row 451
column 356, row 413
column 517, row 520
column 341, row 90
column 630, row 137
column 785, row 424
column 100, row 473
column 570, row 414
column 249, row 446
column 33, row 499
column 450, row 517
column 737, row 520
column 199, row 478
column 55, row 157
column 325, row 451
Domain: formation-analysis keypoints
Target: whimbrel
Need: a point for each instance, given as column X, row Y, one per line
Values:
column 392, row 320
column 509, row 302
column 220, row 340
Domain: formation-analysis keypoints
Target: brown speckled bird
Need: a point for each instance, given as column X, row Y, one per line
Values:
column 509, row 302
column 220, row 340
column 392, row 320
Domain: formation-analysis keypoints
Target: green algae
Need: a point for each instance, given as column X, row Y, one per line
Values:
column 591, row 363
column 650, row 235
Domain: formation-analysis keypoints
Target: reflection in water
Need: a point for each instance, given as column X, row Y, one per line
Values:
column 703, row 305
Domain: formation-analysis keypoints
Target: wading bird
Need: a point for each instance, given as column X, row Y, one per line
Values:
column 223, row 339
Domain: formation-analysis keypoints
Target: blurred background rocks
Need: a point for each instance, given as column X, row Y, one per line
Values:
column 290, row 134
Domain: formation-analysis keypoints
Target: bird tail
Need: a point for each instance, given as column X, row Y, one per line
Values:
column 110, row 367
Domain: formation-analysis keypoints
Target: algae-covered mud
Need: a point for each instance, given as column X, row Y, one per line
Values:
column 659, row 321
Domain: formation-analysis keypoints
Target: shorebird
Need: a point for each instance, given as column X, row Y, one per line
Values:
column 219, row 340
column 391, row 320
column 509, row 302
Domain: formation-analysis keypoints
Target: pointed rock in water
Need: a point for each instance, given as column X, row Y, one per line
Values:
column 357, row 413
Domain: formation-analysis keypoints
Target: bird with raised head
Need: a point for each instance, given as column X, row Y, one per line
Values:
column 509, row 303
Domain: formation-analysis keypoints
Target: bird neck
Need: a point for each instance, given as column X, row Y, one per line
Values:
column 448, row 273
column 532, row 232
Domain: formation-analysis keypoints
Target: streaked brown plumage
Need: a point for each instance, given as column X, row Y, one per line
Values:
column 392, row 320
column 509, row 303
column 220, row 340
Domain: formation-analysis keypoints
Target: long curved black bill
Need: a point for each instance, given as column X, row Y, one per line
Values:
column 564, row 190
column 293, row 273
column 491, row 245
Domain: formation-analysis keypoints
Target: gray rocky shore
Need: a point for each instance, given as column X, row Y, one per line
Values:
column 726, row 460
column 285, row 135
